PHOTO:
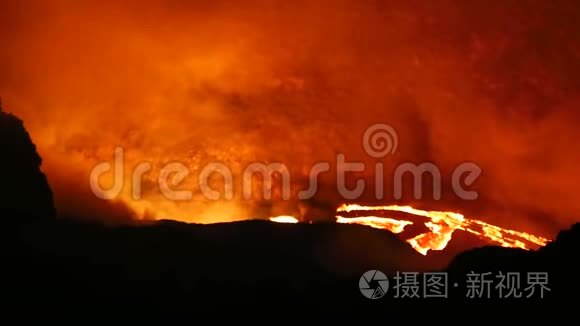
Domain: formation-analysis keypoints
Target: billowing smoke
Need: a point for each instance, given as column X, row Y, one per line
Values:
column 298, row 82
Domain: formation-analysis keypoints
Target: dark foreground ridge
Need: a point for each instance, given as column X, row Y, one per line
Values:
column 25, row 189
column 51, row 263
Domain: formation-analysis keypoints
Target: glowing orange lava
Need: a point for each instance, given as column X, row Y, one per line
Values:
column 393, row 225
column 284, row 219
column 441, row 225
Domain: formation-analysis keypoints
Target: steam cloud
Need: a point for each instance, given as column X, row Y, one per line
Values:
column 496, row 83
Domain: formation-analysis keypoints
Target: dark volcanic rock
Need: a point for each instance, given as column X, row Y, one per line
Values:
column 558, row 260
column 24, row 192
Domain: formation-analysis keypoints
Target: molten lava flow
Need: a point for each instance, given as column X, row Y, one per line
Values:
column 441, row 225
column 393, row 225
column 284, row 219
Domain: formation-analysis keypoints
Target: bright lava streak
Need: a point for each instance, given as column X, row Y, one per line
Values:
column 441, row 225
column 393, row 225
column 284, row 219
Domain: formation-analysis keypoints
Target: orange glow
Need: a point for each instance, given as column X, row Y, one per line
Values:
column 441, row 225
column 395, row 226
column 203, row 82
column 284, row 219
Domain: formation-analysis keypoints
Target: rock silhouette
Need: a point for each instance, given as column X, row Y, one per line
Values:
column 25, row 194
